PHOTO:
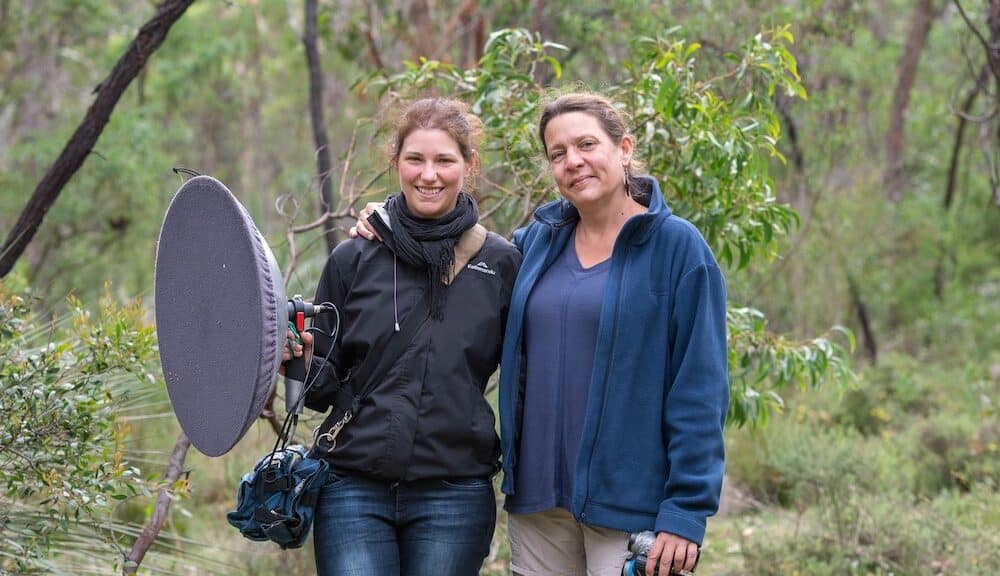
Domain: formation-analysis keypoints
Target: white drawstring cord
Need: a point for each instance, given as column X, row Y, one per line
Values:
column 395, row 308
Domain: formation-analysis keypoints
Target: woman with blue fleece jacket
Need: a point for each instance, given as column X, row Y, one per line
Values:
column 613, row 378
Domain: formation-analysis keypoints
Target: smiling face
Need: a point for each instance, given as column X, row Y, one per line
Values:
column 587, row 165
column 431, row 172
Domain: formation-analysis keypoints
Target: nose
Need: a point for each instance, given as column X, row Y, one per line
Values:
column 428, row 173
column 573, row 157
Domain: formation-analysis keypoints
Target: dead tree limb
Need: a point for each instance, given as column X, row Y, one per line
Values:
column 146, row 42
column 175, row 468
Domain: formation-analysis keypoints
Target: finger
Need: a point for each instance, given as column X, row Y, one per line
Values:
column 352, row 231
column 666, row 559
column 367, row 231
column 653, row 556
column 679, row 557
column 690, row 557
column 369, row 209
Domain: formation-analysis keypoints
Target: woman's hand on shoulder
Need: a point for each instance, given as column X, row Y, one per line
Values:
column 673, row 554
column 362, row 228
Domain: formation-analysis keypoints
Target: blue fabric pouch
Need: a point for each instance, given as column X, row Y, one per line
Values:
column 276, row 501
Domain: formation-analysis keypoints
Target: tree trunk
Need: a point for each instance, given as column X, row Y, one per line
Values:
column 320, row 140
column 994, row 61
column 993, row 50
column 867, row 333
column 993, row 53
column 920, row 26
column 423, row 33
column 251, row 173
column 146, row 42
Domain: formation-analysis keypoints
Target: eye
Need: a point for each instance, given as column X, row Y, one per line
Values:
column 556, row 155
column 587, row 145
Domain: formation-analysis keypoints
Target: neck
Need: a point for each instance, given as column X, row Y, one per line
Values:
column 607, row 219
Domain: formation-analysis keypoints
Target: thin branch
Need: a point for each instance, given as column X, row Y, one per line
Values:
column 174, row 470
column 348, row 198
column 370, row 36
column 972, row 26
column 347, row 161
column 963, row 121
column 448, row 34
column 530, row 211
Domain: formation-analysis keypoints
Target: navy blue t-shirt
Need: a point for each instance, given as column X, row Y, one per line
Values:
column 560, row 336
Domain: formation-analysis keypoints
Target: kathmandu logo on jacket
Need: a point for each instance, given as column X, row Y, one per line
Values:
column 481, row 267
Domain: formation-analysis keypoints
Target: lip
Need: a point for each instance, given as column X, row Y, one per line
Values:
column 576, row 181
column 433, row 192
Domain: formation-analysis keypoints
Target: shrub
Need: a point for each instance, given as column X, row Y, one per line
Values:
column 61, row 451
column 887, row 534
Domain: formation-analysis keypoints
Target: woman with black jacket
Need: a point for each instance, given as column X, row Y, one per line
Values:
column 411, row 491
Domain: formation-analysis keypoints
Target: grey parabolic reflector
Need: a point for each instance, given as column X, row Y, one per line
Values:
column 220, row 314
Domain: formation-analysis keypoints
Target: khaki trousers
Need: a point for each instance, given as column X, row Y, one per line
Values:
column 553, row 543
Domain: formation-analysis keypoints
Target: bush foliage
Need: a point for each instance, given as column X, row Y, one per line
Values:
column 62, row 455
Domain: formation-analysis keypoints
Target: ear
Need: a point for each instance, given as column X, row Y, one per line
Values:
column 471, row 172
column 475, row 163
column 627, row 146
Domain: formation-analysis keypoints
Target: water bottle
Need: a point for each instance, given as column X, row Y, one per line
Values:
column 639, row 544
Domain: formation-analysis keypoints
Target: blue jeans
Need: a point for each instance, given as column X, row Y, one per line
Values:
column 425, row 528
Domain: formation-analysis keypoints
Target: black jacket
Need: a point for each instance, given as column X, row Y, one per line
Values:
column 428, row 417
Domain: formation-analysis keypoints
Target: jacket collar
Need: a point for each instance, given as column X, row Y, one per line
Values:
column 560, row 213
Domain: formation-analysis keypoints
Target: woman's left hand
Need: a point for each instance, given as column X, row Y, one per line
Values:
column 299, row 349
column 672, row 553
column 362, row 227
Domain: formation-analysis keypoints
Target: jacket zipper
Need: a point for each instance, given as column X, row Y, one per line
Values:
column 607, row 374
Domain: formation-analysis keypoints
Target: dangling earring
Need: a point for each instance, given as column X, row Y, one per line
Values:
column 627, row 192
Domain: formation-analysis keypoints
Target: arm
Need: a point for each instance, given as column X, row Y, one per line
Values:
column 694, row 415
column 318, row 344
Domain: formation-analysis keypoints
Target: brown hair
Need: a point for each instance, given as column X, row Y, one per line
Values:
column 450, row 116
column 612, row 120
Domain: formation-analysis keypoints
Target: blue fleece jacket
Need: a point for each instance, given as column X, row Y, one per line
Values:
column 651, row 456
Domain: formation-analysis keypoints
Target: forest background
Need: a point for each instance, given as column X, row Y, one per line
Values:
column 840, row 156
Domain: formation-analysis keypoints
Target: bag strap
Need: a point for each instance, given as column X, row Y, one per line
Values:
column 468, row 245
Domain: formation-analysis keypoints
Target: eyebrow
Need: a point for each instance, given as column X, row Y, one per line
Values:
column 560, row 146
column 416, row 153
